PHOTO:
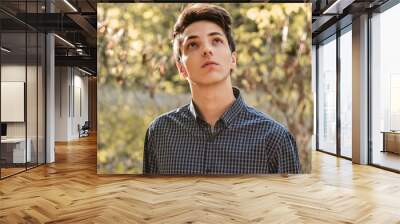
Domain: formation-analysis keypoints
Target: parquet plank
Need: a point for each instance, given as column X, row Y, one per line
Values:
column 70, row 191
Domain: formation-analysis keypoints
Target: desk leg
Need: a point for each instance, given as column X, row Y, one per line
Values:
column 384, row 142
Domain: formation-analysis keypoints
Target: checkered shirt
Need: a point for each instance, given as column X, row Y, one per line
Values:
column 243, row 141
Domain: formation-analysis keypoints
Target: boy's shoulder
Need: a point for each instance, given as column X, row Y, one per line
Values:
column 266, row 120
column 168, row 117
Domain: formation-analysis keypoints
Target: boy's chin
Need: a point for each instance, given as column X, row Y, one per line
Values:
column 212, row 79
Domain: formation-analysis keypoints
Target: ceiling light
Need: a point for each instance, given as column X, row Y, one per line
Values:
column 5, row 49
column 70, row 5
column 64, row 40
column 337, row 7
column 84, row 71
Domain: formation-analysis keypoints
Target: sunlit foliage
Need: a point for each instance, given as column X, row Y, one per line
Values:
column 138, row 79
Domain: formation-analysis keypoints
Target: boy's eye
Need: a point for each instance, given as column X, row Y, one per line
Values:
column 217, row 40
column 191, row 45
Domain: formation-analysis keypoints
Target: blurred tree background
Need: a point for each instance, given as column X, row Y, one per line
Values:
column 138, row 80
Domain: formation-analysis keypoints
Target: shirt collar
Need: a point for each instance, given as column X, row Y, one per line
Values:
column 229, row 115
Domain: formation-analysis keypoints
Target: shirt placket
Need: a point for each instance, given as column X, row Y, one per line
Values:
column 211, row 134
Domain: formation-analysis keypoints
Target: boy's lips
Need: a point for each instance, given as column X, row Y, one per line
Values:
column 209, row 63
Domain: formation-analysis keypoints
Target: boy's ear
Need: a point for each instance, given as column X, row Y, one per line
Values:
column 181, row 69
column 234, row 60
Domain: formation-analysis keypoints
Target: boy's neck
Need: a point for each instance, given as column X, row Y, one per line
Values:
column 213, row 100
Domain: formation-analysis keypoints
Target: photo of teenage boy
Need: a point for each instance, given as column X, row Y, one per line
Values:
column 217, row 132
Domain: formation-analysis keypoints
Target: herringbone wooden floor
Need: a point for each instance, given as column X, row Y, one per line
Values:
column 70, row 191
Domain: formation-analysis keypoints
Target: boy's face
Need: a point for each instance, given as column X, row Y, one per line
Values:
column 206, row 58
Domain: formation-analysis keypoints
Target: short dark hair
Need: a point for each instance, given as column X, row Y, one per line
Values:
column 197, row 12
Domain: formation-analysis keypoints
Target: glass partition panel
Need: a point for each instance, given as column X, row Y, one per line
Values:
column 346, row 93
column 15, row 151
column 22, row 87
column 327, row 96
column 385, row 88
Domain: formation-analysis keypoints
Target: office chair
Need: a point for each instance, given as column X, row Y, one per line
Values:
column 84, row 130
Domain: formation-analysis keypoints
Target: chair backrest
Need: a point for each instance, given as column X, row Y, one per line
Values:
column 86, row 125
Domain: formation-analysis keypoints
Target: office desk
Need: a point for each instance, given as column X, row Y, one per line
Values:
column 391, row 141
column 16, row 148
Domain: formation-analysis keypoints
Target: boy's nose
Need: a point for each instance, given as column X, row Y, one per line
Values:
column 207, row 51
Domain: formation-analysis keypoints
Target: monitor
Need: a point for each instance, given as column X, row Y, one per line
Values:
column 3, row 129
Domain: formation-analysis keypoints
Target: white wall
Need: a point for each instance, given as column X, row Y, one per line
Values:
column 61, row 103
column 80, row 110
column 71, row 94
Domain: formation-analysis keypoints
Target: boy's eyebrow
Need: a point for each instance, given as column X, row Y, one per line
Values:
column 215, row 33
column 210, row 34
